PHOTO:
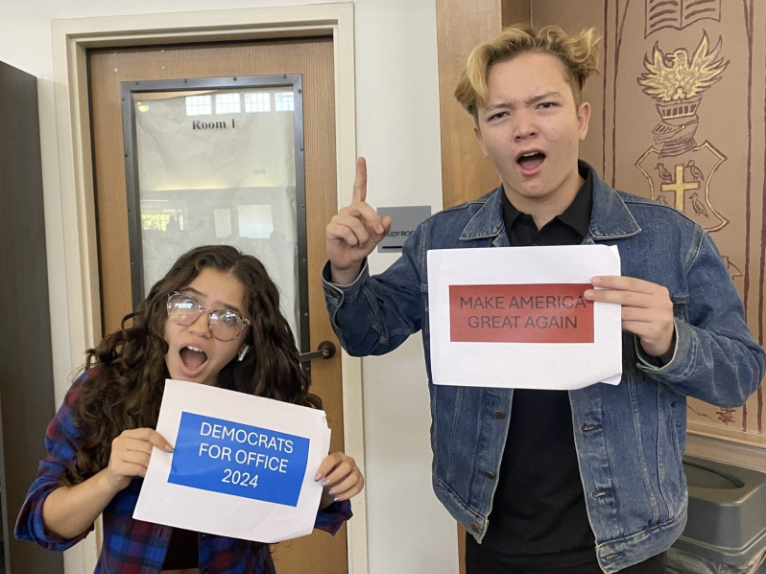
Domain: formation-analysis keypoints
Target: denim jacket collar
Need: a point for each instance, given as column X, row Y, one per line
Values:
column 610, row 217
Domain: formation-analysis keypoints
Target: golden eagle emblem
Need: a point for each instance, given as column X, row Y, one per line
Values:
column 674, row 76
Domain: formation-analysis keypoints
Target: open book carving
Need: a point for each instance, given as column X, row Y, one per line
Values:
column 679, row 14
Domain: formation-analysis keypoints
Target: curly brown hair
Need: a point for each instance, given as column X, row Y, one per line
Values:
column 578, row 54
column 126, row 386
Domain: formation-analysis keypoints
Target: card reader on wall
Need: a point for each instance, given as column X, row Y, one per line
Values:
column 404, row 221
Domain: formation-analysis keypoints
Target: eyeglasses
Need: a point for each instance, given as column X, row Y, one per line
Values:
column 224, row 325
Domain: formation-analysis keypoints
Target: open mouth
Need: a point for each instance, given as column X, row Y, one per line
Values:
column 531, row 161
column 192, row 358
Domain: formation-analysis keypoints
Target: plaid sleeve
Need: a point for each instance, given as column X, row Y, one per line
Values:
column 332, row 517
column 61, row 439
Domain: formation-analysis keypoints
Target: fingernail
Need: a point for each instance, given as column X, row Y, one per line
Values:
column 596, row 281
column 588, row 293
column 169, row 448
column 335, row 500
column 326, row 483
column 319, row 476
column 331, row 492
column 380, row 228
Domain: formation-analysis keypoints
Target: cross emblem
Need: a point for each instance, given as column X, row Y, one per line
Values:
column 680, row 186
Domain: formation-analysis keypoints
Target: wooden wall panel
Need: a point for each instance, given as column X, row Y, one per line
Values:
column 573, row 17
column 514, row 11
column 466, row 173
column 724, row 141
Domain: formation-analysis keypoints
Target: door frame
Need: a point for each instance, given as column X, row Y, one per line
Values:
column 71, row 39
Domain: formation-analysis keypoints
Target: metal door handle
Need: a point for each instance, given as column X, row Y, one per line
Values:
column 326, row 350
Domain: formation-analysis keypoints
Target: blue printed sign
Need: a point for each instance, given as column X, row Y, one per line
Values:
column 239, row 459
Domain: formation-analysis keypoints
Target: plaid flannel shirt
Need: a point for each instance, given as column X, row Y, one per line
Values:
column 132, row 546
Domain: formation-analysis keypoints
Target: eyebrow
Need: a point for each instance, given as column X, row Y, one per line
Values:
column 531, row 101
column 202, row 295
column 544, row 96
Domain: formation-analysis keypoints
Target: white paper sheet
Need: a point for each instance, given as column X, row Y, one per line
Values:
column 458, row 359
column 266, row 439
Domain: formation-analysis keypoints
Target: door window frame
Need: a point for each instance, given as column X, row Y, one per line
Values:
column 293, row 84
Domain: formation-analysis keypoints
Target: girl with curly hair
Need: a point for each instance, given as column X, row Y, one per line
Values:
column 214, row 319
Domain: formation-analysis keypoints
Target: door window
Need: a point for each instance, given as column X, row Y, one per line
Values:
column 218, row 161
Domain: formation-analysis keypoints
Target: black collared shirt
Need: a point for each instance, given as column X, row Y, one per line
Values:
column 538, row 519
column 569, row 228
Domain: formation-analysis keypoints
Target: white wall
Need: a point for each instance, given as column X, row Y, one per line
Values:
column 398, row 131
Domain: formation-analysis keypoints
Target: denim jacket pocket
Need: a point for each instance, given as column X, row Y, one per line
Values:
column 671, row 444
column 446, row 409
column 680, row 303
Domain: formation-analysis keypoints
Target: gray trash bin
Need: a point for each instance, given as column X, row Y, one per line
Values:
column 726, row 528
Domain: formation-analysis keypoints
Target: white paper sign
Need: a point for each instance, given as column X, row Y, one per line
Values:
column 243, row 466
column 515, row 317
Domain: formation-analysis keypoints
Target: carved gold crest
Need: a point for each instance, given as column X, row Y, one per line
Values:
column 678, row 169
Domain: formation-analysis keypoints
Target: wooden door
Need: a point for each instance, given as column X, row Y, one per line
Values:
column 313, row 58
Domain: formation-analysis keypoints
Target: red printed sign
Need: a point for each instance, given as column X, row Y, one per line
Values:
column 544, row 313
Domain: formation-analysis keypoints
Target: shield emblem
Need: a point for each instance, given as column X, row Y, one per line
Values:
column 683, row 181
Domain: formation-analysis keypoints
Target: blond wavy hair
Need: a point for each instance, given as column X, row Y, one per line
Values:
column 578, row 54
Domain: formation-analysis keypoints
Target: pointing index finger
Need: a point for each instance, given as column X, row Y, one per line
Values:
column 360, row 182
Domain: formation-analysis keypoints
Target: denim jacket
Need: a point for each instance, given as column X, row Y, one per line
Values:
column 630, row 438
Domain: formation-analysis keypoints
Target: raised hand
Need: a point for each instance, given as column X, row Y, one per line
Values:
column 130, row 455
column 354, row 232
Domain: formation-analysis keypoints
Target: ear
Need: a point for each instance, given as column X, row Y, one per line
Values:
column 480, row 139
column 583, row 119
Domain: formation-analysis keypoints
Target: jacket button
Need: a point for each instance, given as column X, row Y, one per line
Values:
column 474, row 527
column 490, row 475
column 499, row 414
